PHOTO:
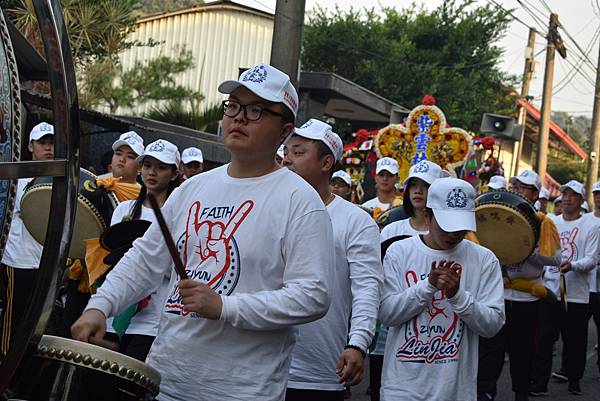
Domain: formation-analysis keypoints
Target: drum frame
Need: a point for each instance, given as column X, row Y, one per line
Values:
column 65, row 170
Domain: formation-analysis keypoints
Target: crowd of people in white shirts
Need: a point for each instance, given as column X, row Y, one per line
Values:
column 291, row 289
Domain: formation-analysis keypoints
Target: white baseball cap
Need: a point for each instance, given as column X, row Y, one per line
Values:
column 387, row 164
column 41, row 130
column 497, row 182
column 426, row 171
column 558, row 199
column 320, row 131
column 585, row 206
column 528, row 177
column 267, row 82
column 544, row 193
column 191, row 155
column 131, row 139
column 596, row 187
column 162, row 150
column 575, row 186
column 344, row 176
column 453, row 203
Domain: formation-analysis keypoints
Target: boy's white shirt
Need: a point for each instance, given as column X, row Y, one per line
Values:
column 431, row 336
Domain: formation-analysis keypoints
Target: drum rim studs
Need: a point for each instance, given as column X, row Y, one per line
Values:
column 114, row 368
column 104, row 365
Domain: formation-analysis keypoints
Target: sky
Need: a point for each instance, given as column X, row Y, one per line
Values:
column 573, row 92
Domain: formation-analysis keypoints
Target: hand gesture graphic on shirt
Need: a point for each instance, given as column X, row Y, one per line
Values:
column 213, row 239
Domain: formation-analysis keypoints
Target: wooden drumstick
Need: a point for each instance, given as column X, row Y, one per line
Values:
column 179, row 268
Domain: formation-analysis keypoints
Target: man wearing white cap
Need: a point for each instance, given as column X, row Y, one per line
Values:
column 497, row 182
column 322, row 361
column 522, row 293
column 257, row 243
column 22, row 252
column 440, row 294
column 542, row 203
column 594, row 218
column 341, row 184
column 579, row 243
column 385, row 179
column 192, row 162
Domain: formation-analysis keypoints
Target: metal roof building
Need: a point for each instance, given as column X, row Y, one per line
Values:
column 222, row 36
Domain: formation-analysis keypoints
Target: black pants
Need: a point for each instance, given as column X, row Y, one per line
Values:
column 375, row 366
column 16, row 291
column 293, row 394
column 517, row 338
column 134, row 345
column 595, row 314
column 573, row 328
column 74, row 306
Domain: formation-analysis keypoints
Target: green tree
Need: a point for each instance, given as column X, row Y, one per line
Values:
column 104, row 84
column 450, row 52
column 175, row 112
column 98, row 33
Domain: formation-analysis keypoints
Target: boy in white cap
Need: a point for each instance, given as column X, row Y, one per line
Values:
column 256, row 241
column 497, row 182
column 579, row 243
column 440, row 294
column 385, row 179
column 22, row 252
column 327, row 355
column 341, row 184
column 126, row 150
column 192, row 162
column 522, row 293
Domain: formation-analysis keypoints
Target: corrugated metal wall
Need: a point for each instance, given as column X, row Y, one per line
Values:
column 222, row 40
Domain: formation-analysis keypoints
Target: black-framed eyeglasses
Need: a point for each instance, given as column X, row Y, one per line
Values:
column 252, row 112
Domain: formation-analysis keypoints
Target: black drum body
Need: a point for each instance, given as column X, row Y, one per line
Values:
column 507, row 224
column 95, row 207
column 68, row 370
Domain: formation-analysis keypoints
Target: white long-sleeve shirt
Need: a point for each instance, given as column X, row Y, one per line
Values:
column 432, row 345
column 356, row 287
column 265, row 245
column 146, row 321
column 22, row 251
column 579, row 245
column 594, row 278
column 532, row 269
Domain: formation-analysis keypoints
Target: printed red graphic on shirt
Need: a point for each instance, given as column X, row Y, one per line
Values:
column 209, row 250
column 434, row 335
column 568, row 248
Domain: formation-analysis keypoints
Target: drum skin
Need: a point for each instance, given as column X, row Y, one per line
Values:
column 507, row 224
column 94, row 210
column 73, row 371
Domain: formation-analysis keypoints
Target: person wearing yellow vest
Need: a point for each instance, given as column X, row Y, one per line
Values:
column 523, row 290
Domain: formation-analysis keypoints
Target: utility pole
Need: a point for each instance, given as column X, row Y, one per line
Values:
column 555, row 43
column 527, row 75
column 592, row 172
column 287, row 37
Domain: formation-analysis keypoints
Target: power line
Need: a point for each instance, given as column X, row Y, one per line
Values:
column 514, row 17
column 533, row 14
column 579, row 64
column 546, row 6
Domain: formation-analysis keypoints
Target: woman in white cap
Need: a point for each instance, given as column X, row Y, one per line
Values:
column 160, row 164
column 440, row 294
column 341, row 184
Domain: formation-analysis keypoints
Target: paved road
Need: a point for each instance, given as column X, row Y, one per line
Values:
column 590, row 384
